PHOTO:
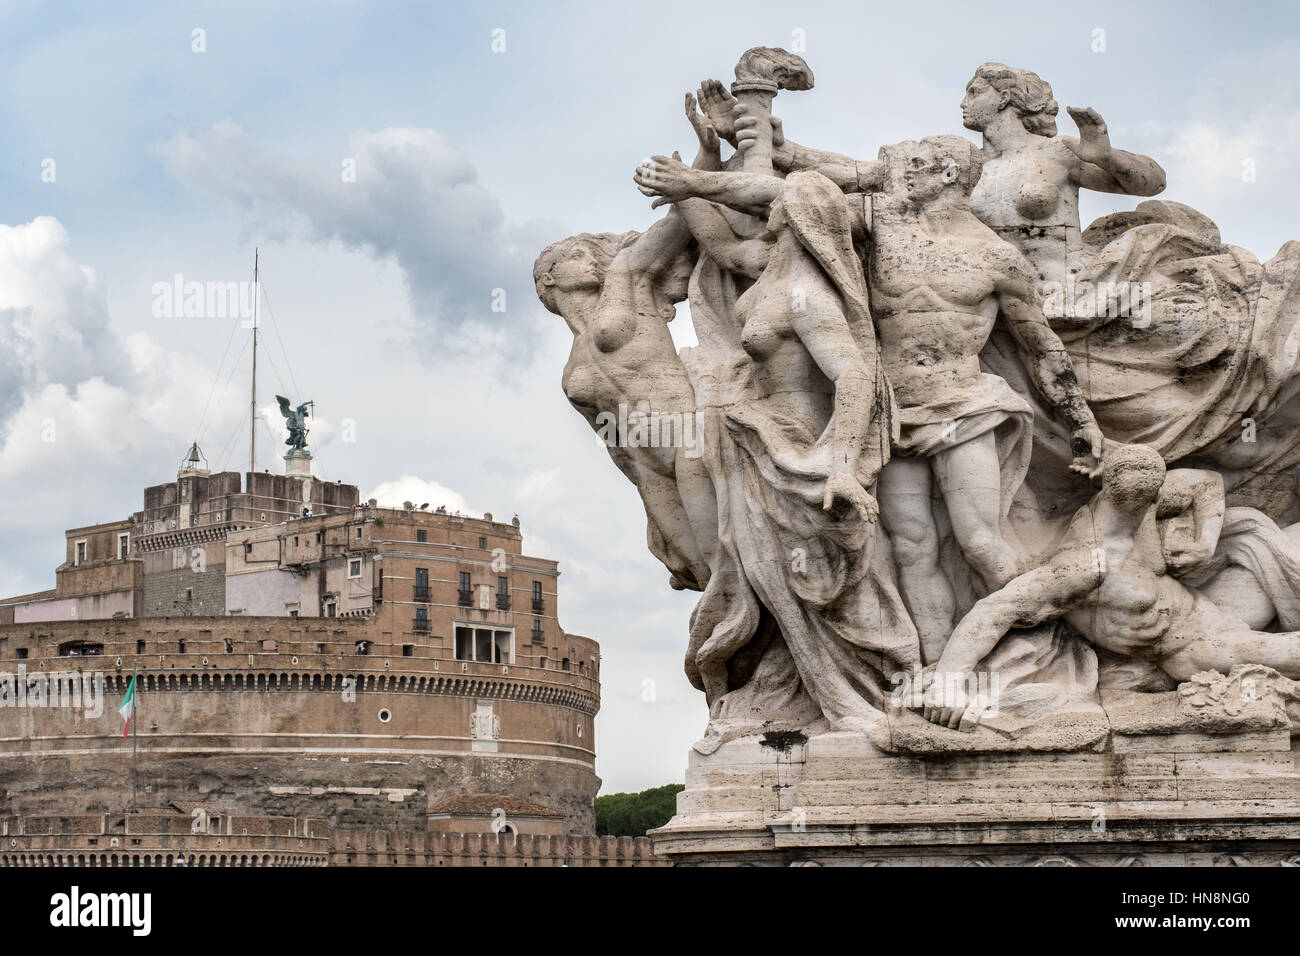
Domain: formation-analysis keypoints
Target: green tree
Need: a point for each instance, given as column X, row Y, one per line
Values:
column 633, row 814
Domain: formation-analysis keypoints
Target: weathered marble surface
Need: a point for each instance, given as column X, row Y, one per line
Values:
column 1131, row 799
column 953, row 474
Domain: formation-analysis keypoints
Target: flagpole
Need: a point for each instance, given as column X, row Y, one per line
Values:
column 135, row 721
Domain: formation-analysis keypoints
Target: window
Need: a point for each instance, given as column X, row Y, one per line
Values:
column 358, row 534
column 482, row 544
column 123, row 546
column 80, row 648
column 354, row 568
column 421, row 536
column 229, row 647
column 537, row 597
column 330, row 609
column 180, row 647
column 318, row 537
column 295, row 541
column 484, row 645
column 564, row 664
column 538, row 638
column 408, row 650
column 421, row 623
column 248, row 549
column 464, row 593
column 503, row 594
column 80, row 554
column 421, row 584
column 293, row 613
column 139, row 647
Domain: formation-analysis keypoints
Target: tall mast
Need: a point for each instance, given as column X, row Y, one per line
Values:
column 252, row 410
column 135, row 723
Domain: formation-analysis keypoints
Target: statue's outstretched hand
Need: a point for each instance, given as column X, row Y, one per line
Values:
column 945, row 702
column 716, row 101
column 1094, row 138
column 842, row 486
column 1087, row 444
column 705, row 131
column 668, row 178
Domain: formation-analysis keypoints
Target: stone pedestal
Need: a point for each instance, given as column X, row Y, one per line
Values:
column 1132, row 799
column 297, row 463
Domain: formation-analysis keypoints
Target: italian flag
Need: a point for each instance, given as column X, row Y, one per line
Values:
column 127, row 710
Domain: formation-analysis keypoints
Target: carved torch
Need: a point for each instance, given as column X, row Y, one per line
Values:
column 761, row 72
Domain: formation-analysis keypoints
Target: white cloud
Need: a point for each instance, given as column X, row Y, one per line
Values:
column 74, row 398
column 1207, row 160
column 53, row 316
column 1236, row 167
column 418, row 491
column 415, row 197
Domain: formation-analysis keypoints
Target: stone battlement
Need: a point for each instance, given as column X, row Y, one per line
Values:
column 161, row 838
column 377, row 848
column 165, row 838
column 272, row 653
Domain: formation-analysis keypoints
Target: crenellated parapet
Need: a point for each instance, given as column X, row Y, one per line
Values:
column 378, row 848
column 275, row 715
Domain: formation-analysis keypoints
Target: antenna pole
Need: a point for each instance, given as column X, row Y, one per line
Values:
column 252, row 411
column 135, row 723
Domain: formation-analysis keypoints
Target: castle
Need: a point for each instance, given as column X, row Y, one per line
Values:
column 311, row 668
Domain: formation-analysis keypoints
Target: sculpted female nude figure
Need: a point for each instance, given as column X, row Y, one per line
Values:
column 1184, row 370
column 617, row 294
column 1028, row 191
column 805, row 443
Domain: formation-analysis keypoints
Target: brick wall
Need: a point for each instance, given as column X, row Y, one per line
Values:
column 164, row 593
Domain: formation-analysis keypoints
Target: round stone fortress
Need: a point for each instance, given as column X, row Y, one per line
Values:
column 349, row 663
column 266, row 715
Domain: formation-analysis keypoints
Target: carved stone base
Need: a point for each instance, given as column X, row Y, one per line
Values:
column 297, row 463
column 835, row 800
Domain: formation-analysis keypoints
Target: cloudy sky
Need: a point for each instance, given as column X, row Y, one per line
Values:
column 400, row 175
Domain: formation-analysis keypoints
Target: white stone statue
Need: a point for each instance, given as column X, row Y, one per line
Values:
column 911, row 374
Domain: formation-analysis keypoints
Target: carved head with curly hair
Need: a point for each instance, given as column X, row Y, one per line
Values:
column 996, row 87
column 581, row 263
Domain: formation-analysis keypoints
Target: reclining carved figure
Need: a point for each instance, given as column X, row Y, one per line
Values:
column 1112, row 579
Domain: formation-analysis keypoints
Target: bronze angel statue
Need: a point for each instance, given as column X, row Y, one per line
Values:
column 296, row 421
